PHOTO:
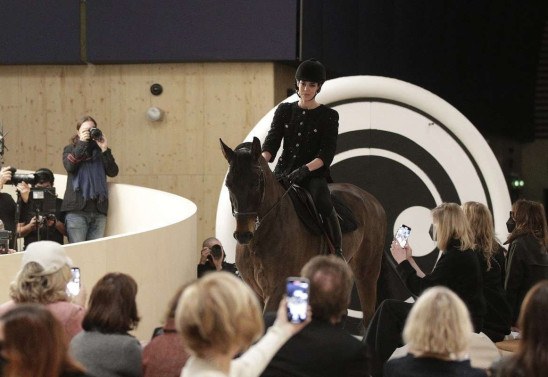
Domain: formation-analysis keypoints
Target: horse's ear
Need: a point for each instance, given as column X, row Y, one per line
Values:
column 256, row 148
column 227, row 152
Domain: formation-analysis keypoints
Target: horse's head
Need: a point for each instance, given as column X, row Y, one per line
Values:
column 245, row 183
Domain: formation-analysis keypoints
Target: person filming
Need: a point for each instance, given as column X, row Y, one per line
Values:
column 40, row 223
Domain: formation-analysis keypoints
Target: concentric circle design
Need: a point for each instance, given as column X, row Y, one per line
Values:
column 410, row 149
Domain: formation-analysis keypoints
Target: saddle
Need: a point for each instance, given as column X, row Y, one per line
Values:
column 308, row 214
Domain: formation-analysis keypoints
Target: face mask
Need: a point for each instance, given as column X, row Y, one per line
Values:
column 510, row 224
column 431, row 232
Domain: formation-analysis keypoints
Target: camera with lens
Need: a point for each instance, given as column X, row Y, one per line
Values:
column 216, row 251
column 17, row 178
column 95, row 133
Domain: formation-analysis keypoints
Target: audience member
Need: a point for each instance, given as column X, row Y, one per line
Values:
column 323, row 348
column 49, row 226
column 219, row 317
column 88, row 161
column 164, row 355
column 527, row 260
column 458, row 269
column 490, row 254
column 437, row 333
column 212, row 258
column 104, row 347
column 7, row 209
column 43, row 279
column 531, row 357
column 33, row 344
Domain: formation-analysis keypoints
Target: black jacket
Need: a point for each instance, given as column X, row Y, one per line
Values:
column 526, row 264
column 307, row 134
column 320, row 349
column 498, row 318
column 457, row 270
column 73, row 155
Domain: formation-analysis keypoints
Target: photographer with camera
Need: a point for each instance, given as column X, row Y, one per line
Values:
column 7, row 214
column 212, row 258
column 88, row 161
column 41, row 216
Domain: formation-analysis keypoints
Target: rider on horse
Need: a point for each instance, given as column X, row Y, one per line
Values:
column 309, row 131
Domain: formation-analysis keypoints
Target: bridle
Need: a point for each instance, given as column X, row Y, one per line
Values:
column 261, row 187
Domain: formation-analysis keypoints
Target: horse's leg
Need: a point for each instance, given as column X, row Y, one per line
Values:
column 366, row 266
column 245, row 265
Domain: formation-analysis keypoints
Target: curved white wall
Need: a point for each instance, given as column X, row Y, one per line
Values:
column 150, row 235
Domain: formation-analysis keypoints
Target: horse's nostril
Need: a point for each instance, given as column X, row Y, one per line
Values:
column 243, row 237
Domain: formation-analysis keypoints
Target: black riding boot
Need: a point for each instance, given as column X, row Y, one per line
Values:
column 334, row 232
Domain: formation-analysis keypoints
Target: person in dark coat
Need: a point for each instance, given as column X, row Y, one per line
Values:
column 323, row 348
column 498, row 318
column 458, row 269
column 309, row 132
column 88, row 161
column 527, row 259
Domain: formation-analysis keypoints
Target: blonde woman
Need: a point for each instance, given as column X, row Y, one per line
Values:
column 219, row 317
column 437, row 332
column 43, row 280
column 498, row 318
column 458, row 269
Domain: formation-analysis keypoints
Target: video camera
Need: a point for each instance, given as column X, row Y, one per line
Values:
column 18, row 178
column 5, row 237
column 44, row 201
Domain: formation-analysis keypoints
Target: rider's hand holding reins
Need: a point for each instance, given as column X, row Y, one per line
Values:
column 299, row 175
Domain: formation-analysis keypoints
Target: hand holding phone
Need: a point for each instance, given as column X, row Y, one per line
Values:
column 402, row 234
column 73, row 286
column 297, row 299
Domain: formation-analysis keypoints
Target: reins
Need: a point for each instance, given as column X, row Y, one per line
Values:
column 258, row 220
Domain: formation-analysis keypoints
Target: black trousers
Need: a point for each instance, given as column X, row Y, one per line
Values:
column 384, row 333
column 320, row 194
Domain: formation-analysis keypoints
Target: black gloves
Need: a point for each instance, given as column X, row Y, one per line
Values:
column 299, row 175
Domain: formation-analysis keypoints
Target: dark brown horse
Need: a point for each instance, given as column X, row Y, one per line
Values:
column 273, row 243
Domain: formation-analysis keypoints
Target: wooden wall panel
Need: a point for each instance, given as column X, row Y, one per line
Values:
column 40, row 105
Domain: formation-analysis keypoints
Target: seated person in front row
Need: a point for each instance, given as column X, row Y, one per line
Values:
column 218, row 317
column 323, row 348
column 37, row 225
column 437, row 333
column 212, row 258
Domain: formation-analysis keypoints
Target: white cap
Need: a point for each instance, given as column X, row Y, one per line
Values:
column 48, row 254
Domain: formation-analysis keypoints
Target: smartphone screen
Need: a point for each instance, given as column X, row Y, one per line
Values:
column 73, row 286
column 402, row 235
column 297, row 299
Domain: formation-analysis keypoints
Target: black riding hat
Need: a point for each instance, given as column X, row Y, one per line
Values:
column 311, row 70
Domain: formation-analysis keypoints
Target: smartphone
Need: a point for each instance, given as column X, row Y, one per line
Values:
column 297, row 299
column 73, row 286
column 402, row 235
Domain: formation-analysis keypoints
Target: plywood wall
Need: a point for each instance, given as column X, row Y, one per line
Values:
column 40, row 105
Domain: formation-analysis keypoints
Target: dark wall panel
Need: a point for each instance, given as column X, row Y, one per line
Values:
column 479, row 55
column 191, row 30
column 39, row 32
